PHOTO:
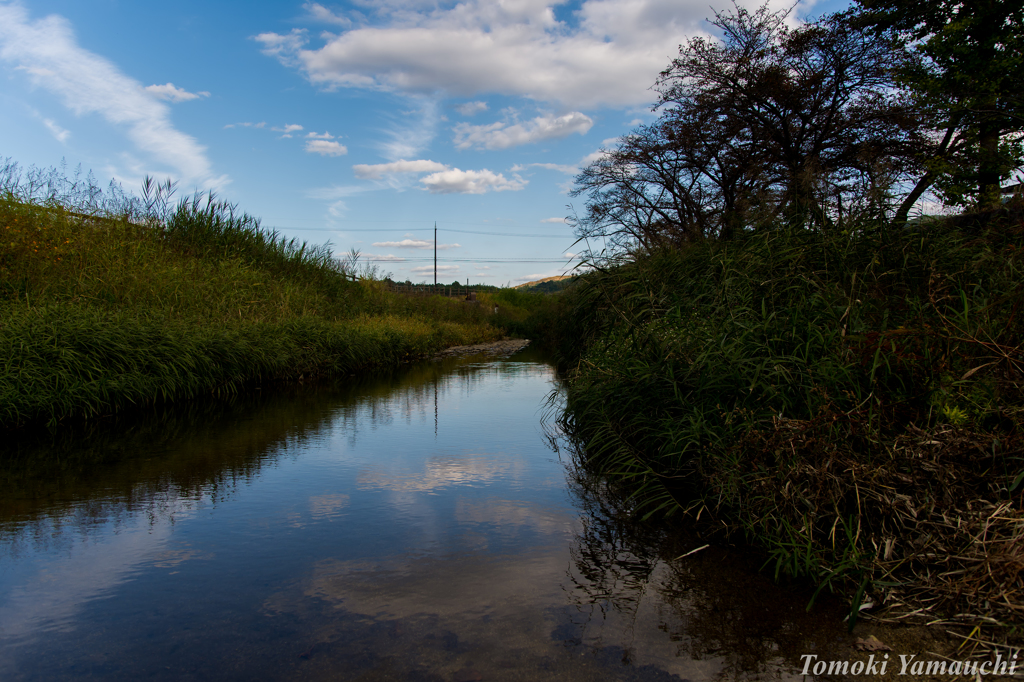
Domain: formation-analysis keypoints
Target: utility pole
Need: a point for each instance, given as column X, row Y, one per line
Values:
column 435, row 253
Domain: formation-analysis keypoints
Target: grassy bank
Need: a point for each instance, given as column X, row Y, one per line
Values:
column 850, row 403
column 109, row 302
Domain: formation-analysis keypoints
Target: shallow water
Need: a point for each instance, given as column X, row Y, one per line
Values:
column 421, row 526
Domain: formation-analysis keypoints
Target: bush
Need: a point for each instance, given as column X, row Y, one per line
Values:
column 823, row 394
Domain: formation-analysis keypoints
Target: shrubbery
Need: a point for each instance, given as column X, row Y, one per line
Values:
column 850, row 402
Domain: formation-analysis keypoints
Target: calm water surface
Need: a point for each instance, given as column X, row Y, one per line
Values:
column 421, row 526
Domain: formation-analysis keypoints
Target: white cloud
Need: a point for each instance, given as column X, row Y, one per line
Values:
column 378, row 171
column 46, row 49
column 318, row 12
column 319, row 136
column 326, row 148
column 567, row 254
column 609, row 57
column 455, row 181
column 61, row 134
column 288, row 129
column 429, row 269
column 261, row 124
column 471, row 108
column 283, row 46
column 591, row 158
column 600, row 153
column 502, row 135
column 169, row 93
column 415, row 244
column 390, row 258
column 554, row 220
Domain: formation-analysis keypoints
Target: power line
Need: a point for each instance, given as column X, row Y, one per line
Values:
column 440, row 229
column 508, row 234
column 392, row 222
column 468, row 260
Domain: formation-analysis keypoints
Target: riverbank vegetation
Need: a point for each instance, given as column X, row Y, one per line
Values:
column 111, row 302
column 772, row 345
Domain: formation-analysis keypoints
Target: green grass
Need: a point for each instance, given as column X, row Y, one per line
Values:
column 111, row 305
column 820, row 395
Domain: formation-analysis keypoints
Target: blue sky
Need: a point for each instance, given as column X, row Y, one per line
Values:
column 358, row 123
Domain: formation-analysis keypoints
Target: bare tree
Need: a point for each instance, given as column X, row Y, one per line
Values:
column 768, row 124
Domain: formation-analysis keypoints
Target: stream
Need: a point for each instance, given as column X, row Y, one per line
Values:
column 424, row 525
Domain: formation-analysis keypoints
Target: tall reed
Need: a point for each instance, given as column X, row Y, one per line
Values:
column 821, row 394
column 109, row 302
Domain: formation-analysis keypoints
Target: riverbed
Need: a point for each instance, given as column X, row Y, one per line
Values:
column 424, row 525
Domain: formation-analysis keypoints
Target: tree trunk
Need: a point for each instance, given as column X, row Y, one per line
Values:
column 989, row 169
column 904, row 210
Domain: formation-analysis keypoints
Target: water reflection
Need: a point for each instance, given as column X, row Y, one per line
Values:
column 437, row 472
column 162, row 465
column 664, row 595
column 414, row 526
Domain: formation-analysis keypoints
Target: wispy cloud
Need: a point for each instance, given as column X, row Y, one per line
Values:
column 414, row 244
column 284, row 47
column 61, row 134
column 169, row 93
column 428, row 269
column 337, row 209
column 335, row 192
column 318, row 12
column 413, row 133
column 502, row 135
column 566, row 168
column 48, row 52
column 390, row 258
column 471, row 108
column 554, row 220
column 560, row 167
column 323, row 143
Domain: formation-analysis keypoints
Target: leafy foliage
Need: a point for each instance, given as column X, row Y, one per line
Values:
column 965, row 77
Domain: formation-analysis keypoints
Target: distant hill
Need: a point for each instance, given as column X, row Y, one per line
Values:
column 548, row 285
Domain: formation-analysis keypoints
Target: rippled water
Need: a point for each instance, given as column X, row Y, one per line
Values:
column 421, row 526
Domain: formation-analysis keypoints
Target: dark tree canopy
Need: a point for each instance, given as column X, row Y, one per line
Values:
column 968, row 80
column 769, row 125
